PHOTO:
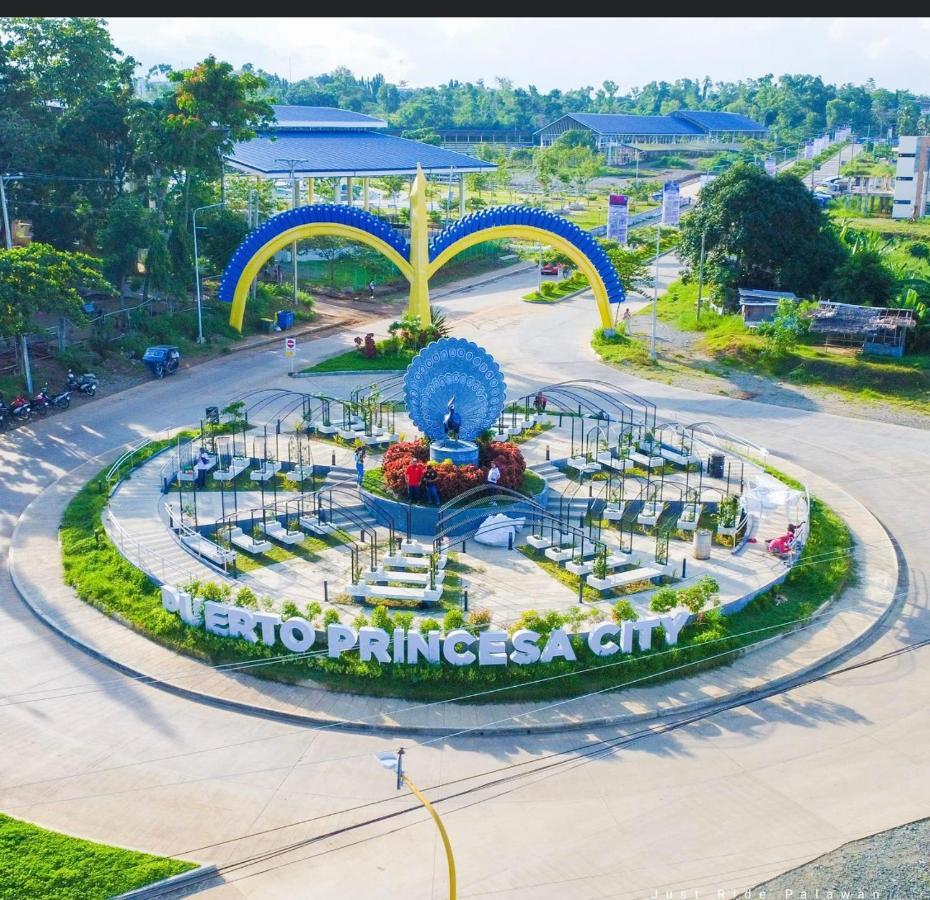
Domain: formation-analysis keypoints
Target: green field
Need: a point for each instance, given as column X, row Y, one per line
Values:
column 44, row 865
column 353, row 361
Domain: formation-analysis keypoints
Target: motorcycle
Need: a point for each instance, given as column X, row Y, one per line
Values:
column 43, row 400
column 86, row 384
column 20, row 408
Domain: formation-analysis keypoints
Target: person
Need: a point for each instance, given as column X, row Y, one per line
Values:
column 414, row 475
column 540, row 402
column 494, row 476
column 431, row 483
column 371, row 290
column 360, row 463
column 627, row 316
column 203, row 463
column 783, row 543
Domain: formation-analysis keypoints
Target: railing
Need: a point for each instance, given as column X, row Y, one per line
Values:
column 115, row 472
column 157, row 566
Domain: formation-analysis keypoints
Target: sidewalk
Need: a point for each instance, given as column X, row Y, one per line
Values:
column 839, row 628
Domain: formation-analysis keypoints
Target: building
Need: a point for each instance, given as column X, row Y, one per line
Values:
column 876, row 330
column 910, row 180
column 310, row 142
column 760, row 306
column 621, row 136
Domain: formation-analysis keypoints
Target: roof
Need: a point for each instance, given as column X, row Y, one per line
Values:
column 712, row 120
column 847, row 318
column 752, row 297
column 328, row 154
column 604, row 123
column 325, row 117
column 680, row 122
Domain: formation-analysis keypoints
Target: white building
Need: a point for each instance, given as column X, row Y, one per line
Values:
column 910, row 181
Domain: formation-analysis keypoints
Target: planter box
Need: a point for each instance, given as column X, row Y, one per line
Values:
column 325, row 429
column 600, row 584
column 613, row 512
column 726, row 530
column 576, row 462
column 690, row 524
column 540, row 543
column 583, row 568
column 559, row 556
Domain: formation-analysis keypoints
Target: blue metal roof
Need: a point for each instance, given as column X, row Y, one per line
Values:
column 607, row 123
column 711, row 120
column 334, row 153
column 323, row 117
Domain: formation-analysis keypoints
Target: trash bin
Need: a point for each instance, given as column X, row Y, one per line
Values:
column 285, row 319
column 267, row 324
column 701, row 544
column 715, row 465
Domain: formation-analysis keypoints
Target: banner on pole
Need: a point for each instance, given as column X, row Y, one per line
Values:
column 671, row 203
column 618, row 218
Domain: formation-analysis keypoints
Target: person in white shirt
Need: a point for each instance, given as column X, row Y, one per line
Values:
column 494, row 476
column 203, row 464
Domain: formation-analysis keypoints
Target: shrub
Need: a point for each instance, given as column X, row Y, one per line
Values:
column 312, row 610
column 425, row 626
column 330, row 617
column 479, row 618
column 403, row 620
column 217, row 593
column 247, row 598
column 360, row 621
column 367, row 346
column 290, row 610
column 919, row 250
column 454, row 618
column 623, row 612
column 547, row 289
column 664, row 600
column 381, row 618
column 698, row 595
column 542, row 623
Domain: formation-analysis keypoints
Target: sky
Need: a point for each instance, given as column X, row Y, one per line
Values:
column 548, row 52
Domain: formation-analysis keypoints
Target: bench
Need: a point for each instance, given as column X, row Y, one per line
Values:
column 312, row 523
column 299, row 473
column 690, row 516
column 422, row 595
column 420, row 578
column 538, row 542
column 266, row 472
column 321, row 428
column 680, row 459
column 414, row 562
column 559, row 554
column 621, row 579
column 613, row 511
column 246, row 542
column 198, row 544
column 237, row 465
column 415, row 547
column 647, row 462
column 651, row 512
column 278, row 532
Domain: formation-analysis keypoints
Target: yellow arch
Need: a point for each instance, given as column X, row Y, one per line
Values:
column 298, row 233
column 541, row 235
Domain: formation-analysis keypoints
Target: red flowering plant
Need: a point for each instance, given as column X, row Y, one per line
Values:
column 454, row 480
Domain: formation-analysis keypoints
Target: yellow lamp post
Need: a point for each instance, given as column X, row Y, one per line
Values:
column 395, row 762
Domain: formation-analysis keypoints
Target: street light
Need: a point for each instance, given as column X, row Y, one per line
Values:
column 200, row 337
column 394, row 762
column 292, row 163
column 655, row 293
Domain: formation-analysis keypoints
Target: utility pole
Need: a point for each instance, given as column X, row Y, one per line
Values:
column 200, row 337
column 8, row 238
column 292, row 164
column 655, row 293
column 701, row 273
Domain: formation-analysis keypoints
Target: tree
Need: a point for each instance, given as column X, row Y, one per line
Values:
column 40, row 279
column 863, row 279
column 129, row 228
column 630, row 265
column 789, row 324
column 761, row 232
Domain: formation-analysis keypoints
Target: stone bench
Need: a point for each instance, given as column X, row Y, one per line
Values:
column 199, row 545
column 609, row 461
column 246, row 542
column 415, row 547
column 237, row 465
column 647, row 462
column 538, row 542
column 621, row 579
column 690, row 516
column 299, row 473
column 680, row 459
column 312, row 523
column 651, row 513
column 613, row 511
column 276, row 531
column 420, row 578
column 266, row 472
column 322, row 428
column 422, row 595
column 414, row 562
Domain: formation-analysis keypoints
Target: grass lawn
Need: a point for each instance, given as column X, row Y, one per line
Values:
column 556, row 290
column 40, row 864
column 919, row 230
column 353, row 361
column 730, row 345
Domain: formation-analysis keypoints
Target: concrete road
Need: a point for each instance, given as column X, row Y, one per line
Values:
column 718, row 805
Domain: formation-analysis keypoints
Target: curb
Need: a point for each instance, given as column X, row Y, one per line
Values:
column 735, row 697
column 174, row 882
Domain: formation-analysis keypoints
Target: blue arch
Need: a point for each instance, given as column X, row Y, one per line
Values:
column 536, row 218
column 305, row 215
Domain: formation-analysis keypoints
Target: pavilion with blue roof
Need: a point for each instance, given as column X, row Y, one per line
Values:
column 310, row 142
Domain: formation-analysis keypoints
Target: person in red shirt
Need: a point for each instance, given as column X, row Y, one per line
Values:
column 414, row 477
column 782, row 544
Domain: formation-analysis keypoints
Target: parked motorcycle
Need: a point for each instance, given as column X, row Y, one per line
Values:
column 20, row 408
column 44, row 400
column 86, row 384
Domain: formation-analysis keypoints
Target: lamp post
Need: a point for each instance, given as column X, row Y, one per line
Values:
column 200, row 337
column 395, row 763
column 655, row 293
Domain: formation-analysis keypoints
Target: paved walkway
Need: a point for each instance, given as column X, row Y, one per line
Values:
column 840, row 626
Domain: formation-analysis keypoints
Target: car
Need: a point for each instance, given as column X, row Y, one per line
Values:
column 549, row 269
column 162, row 360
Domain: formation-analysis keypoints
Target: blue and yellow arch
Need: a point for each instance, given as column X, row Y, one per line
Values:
column 419, row 258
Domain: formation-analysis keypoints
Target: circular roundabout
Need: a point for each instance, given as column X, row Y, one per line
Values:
column 291, row 543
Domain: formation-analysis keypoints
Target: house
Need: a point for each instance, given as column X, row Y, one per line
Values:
column 875, row 329
column 759, row 306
